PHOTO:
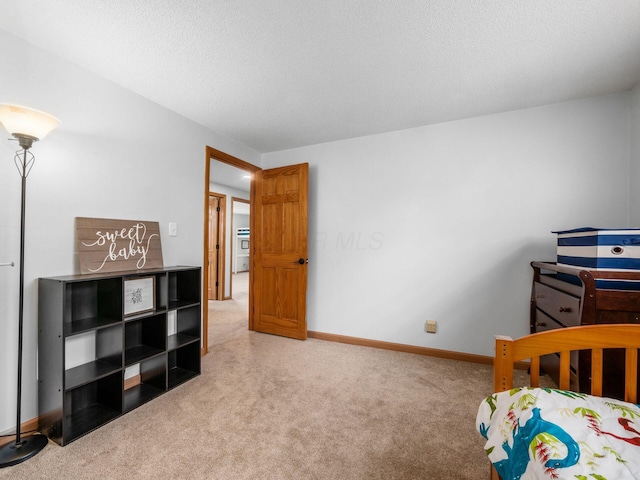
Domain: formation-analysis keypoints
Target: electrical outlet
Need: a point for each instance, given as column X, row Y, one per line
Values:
column 430, row 326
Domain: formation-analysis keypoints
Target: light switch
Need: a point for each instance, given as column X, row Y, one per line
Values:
column 173, row 229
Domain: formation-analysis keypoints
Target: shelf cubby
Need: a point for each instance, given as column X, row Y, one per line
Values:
column 187, row 327
column 153, row 374
column 160, row 293
column 108, row 358
column 183, row 364
column 183, row 288
column 144, row 338
column 92, row 405
column 93, row 304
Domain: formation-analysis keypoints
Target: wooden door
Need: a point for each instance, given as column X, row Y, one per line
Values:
column 215, row 285
column 279, row 251
column 213, row 246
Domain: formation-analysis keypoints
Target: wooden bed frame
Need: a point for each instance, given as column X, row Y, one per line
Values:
column 562, row 341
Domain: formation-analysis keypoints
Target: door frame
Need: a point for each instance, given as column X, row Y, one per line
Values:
column 214, row 154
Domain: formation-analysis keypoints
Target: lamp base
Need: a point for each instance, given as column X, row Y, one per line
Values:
column 12, row 454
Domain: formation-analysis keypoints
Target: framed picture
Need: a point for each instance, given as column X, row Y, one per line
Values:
column 244, row 244
column 139, row 295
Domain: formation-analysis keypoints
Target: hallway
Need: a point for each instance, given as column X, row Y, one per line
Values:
column 229, row 318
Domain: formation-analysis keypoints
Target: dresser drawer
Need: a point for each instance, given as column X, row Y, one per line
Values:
column 562, row 307
column 544, row 322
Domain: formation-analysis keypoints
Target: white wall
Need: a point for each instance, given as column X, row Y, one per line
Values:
column 115, row 155
column 634, row 146
column 441, row 222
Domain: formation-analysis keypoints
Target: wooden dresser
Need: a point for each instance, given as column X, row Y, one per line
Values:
column 564, row 296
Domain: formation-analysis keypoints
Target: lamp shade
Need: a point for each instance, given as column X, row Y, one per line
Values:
column 27, row 121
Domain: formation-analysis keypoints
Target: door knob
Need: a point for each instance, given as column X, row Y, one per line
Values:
column 302, row 261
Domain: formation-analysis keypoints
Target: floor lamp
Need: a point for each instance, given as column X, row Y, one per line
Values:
column 27, row 126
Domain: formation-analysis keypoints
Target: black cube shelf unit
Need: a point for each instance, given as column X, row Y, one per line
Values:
column 87, row 345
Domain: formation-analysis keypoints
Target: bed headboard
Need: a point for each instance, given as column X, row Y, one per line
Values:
column 563, row 341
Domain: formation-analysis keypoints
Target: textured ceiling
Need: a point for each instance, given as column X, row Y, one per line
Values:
column 277, row 74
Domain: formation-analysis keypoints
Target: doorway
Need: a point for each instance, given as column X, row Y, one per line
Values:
column 277, row 283
column 241, row 231
column 224, row 175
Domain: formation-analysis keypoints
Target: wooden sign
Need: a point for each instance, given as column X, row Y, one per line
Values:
column 106, row 245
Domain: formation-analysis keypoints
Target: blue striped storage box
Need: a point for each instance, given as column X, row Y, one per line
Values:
column 602, row 249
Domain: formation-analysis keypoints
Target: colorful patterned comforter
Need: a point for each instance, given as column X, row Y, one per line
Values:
column 545, row 433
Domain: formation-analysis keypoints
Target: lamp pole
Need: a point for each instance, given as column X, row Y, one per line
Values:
column 23, row 174
column 17, row 120
column 22, row 449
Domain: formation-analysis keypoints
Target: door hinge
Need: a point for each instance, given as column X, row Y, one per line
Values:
column 217, row 247
column 217, row 209
column 217, row 285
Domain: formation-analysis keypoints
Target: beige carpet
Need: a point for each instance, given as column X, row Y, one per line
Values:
column 267, row 407
column 228, row 319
